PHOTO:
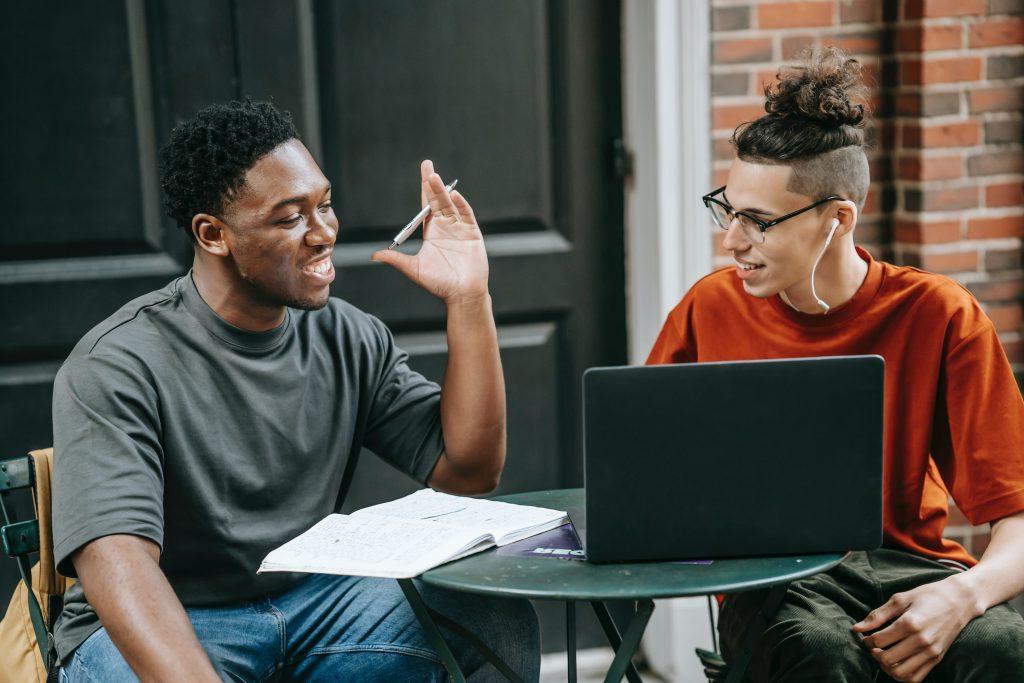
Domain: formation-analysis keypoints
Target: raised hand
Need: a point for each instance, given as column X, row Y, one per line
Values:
column 452, row 262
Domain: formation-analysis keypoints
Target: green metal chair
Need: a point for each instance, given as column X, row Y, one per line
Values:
column 23, row 538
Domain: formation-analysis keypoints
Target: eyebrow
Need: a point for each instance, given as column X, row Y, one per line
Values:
column 294, row 200
column 749, row 210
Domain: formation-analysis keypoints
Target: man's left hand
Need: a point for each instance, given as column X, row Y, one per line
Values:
column 452, row 263
column 922, row 624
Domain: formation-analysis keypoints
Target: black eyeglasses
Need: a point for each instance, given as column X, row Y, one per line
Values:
column 753, row 227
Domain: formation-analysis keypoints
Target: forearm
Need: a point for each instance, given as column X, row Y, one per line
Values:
column 999, row 575
column 473, row 394
column 123, row 582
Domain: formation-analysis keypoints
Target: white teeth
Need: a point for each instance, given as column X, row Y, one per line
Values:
column 746, row 266
column 321, row 268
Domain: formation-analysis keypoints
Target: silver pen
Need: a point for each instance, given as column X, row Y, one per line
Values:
column 411, row 226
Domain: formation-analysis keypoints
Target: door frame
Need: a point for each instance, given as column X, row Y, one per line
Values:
column 666, row 120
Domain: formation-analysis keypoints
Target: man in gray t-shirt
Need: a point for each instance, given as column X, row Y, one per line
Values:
column 206, row 423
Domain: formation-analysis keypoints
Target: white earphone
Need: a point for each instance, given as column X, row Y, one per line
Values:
column 828, row 241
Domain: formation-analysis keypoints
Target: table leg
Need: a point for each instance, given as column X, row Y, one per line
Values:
column 755, row 631
column 625, row 650
column 419, row 608
column 429, row 620
column 611, row 632
column 570, row 638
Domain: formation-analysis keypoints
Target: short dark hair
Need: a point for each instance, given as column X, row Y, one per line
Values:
column 814, row 123
column 203, row 163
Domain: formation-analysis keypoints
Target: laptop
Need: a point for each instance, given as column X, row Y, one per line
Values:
column 732, row 459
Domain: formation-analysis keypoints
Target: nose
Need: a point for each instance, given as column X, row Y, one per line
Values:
column 735, row 238
column 322, row 229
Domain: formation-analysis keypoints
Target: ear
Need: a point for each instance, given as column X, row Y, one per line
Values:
column 846, row 214
column 209, row 233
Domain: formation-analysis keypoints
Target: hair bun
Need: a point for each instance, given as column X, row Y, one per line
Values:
column 826, row 88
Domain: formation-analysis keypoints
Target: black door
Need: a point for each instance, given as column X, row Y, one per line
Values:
column 519, row 100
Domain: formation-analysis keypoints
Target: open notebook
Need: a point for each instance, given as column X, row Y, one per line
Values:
column 408, row 536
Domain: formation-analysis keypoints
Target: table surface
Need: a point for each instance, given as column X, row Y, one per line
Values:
column 555, row 579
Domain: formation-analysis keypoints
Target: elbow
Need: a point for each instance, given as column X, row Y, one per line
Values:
column 482, row 481
column 488, row 483
column 481, row 478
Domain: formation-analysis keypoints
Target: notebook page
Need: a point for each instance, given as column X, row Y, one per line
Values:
column 505, row 521
column 368, row 545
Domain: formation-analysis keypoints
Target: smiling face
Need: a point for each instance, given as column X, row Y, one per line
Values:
column 784, row 260
column 280, row 230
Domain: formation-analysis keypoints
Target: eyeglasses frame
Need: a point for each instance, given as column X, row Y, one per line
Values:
column 762, row 224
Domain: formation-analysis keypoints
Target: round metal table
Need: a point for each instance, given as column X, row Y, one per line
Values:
column 546, row 578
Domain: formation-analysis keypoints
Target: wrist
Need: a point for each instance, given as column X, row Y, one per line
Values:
column 971, row 592
column 469, row 303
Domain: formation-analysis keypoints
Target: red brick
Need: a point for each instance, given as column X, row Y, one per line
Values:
column 869, row 72
column 869, row 42
column 998, row 290
column 793, row 46
column 743, row 50
column 1005, row 194
column 730, row 18
column 869, row 230
column 730, row 84
column 955, row 262
column 763, row 78
column 997, row 32
column 730, row 116
column 996, row 99
column 872, row 205
column 928, row 104
column 719, row 177
column 1006, row 130
column 924, row 38
column 922, row 232
column 995, row 163
column 940, row 199
column 1006, row 317
column 946, row 70
column 879, row 168
column 794, row 14
column 920, row 9
column 722, row 149
column 1002, row 259
column 886, row 134
column 859, row 11
column 930, row 168
column 988, row 228
column 960, row 134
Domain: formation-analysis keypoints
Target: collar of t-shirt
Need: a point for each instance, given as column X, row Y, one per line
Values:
column 225, row 331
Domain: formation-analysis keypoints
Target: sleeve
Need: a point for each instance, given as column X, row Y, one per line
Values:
column 979, row 441
column 404, row 423
column 675, row 342
column 108, row 462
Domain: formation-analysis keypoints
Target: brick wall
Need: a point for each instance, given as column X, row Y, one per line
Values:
column 947, row 167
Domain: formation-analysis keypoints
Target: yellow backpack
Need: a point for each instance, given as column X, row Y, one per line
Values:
column 39, row 597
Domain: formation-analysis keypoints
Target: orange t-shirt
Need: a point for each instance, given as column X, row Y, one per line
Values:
column 954, row 417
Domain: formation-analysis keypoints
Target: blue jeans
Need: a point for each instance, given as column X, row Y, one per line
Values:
column 340, row 628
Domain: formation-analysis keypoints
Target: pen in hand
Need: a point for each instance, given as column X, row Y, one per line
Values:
column 411, row 226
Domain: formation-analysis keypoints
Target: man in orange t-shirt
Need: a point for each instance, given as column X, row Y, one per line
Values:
column 954, row 417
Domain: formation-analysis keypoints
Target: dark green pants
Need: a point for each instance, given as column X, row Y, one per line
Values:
column 809, row 639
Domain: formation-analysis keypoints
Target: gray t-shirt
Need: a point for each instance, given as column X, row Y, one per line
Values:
column 220, row 444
